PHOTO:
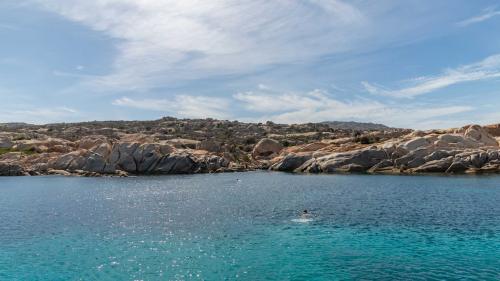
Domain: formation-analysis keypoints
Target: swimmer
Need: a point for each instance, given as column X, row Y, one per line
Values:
column 305, row 215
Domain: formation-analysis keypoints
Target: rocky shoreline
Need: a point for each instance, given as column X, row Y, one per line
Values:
column 468, row 150
column 171, row 146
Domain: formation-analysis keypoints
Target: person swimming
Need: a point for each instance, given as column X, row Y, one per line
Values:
column 305, row 217
column 305, row 214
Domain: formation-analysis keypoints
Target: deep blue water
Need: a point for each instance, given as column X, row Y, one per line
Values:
column 213, row 227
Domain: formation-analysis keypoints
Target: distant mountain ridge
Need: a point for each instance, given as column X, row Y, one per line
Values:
column 14, row 125
column 358, row 126
column 336, row 125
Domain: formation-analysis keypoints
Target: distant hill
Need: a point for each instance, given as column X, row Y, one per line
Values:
column 357, row 126
column 14, row 125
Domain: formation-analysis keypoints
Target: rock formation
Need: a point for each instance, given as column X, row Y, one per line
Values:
column 266, row 148
column 173, row 146
column 470, row 149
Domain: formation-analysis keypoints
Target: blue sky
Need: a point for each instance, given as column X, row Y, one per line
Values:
column 418, row 64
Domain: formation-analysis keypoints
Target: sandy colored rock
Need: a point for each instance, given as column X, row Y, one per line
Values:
column 266, row 148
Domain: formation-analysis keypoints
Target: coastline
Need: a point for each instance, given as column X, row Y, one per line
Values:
column 76, row 150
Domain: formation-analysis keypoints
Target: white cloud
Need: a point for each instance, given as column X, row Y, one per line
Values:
column 487, row 14
column 159, row 42
column 169, row 40
column 488, row 68
column 181, row 105
column 319, row 105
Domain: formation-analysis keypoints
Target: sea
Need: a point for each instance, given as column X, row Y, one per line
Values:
column 247, row 226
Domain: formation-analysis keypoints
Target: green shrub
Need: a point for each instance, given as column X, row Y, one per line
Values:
column 5, row 150
column 30, row 151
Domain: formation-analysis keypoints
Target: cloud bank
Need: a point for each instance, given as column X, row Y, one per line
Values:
column 164, row 42
column 488, row 68
column 315, row 106
column 487, row 14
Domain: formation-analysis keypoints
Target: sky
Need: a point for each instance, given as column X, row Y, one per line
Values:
column 415, row 63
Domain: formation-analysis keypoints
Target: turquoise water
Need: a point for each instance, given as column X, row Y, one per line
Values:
column 214, row 227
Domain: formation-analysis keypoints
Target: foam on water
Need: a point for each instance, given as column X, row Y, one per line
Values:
column 302, row 220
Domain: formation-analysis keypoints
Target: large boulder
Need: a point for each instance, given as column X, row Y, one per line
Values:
column 291, row 162
column 435, row 166
column 384, row 166
column 11, row 169
column 103, row 149
column 213, row 163
column 439, row 154
column 122, row 157
column 266, row 148
column 451, row 138
column 77, row 163
column 358, row 160
column 493, row 130
column 479, row 159
column 415, row 143
column 30, row 145
column 479, row 134
column 146, row 156
column 63, row 162
column 94, row 163
column 176, row 164
column 413, row 159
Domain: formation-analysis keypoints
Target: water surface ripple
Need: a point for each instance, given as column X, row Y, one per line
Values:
column 216, row 227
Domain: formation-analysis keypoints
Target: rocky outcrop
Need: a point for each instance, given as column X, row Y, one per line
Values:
column 353, row 161
column 184, row 150
column 266, row 148
column 493, row 130
column 479, row 134
column 470, row 149
column 136, row 158
column 291, row 162
column 11, row 169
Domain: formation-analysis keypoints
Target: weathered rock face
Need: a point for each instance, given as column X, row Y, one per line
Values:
column 94, row 163
column 291, row 162
column 493, row 130
column 11, row 169
column 479, row 134
column 146, row 156
column 415, row 143
column 467, row 150
column 135, row 158
column 266, row 148
column 470, row 149
column 353, row 161
column 435, row 166
column 122, row 157
column 176, row 164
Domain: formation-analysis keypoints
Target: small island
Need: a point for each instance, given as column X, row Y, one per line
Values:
column 187, row 146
